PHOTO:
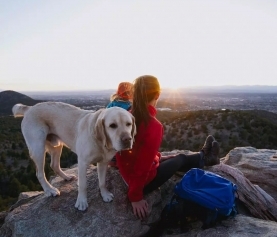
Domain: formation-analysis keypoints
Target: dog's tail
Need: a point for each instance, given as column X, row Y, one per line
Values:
column 19, row 110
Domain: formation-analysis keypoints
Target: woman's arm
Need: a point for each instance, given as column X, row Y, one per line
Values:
column 145, row 158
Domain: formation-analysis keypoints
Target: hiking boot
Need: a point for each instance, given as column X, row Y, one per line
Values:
column 211, row 157
column 208, row 144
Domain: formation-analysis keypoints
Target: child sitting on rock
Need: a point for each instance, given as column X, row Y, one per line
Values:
column 122, row 98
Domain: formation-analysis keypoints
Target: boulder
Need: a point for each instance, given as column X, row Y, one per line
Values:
column 37, row 215
column 258, row 165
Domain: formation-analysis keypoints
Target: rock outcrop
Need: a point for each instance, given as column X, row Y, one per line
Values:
column 258, row 165
column 37, row 215
column 240, row 226
column 256, row 200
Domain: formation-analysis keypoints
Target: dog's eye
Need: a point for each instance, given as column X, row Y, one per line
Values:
column 113, row 125
column 128, row 124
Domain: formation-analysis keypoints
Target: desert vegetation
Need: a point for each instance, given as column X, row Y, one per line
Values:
column 188, row 130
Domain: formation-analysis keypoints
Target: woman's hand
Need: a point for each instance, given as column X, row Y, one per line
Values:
column 140, row 208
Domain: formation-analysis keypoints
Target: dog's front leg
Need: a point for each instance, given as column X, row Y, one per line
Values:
column 102, row 171
column 82, row 202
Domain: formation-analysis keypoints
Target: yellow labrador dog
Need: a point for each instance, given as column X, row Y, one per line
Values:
column 93, row 136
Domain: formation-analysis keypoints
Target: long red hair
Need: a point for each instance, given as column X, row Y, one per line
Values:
column 146, row 89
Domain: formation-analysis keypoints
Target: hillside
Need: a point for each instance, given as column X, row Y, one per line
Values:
column 187, row 130
column 9, row 98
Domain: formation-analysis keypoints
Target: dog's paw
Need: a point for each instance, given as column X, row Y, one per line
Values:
column 81, row 204
column 107, row 196
column 52, row 192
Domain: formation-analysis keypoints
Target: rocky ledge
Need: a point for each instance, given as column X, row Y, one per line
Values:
column 253, row 170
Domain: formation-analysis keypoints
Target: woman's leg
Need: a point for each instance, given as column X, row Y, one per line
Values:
column 208, row 156
column 168, row 168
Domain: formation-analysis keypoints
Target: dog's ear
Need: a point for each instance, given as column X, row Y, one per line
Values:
column 99, row 129
column 101, row 134
column 134, row 129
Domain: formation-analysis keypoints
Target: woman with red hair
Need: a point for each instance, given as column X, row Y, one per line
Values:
column 142, row 167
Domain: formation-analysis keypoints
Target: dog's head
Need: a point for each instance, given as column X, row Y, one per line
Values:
column 116, row 128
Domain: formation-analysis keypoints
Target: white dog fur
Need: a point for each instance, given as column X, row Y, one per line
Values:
column 93, row 136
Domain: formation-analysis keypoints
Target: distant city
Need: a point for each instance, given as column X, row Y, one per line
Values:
column 232, row 98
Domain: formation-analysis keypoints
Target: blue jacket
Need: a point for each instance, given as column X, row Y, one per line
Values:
column 120, row 103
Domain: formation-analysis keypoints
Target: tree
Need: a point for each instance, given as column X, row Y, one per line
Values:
column 204, row 128
column 15, row 163
column 14, row 188
column 13, row 146
column 243, row 134
column 24, row 155
column 217, row 136
column 3, row 158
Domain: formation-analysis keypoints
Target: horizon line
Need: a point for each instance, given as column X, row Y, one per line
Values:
column 163, row 88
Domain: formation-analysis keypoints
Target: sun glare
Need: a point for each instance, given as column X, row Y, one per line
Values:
column 174, row 90
column 172, row 97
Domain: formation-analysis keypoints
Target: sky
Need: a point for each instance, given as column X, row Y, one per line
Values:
column 90, row 45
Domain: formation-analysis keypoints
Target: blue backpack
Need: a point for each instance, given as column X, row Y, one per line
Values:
column 208, row 190
column 200, row 195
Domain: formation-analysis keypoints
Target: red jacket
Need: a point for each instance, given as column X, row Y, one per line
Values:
column 138, row 166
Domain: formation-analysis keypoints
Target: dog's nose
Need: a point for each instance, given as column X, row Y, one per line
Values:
column 126, row 138
column 126, row 141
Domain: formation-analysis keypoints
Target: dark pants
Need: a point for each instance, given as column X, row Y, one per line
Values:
column 168, row 168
